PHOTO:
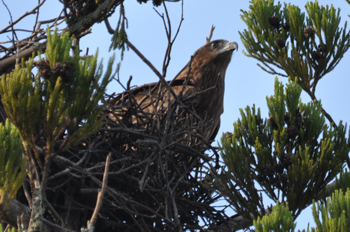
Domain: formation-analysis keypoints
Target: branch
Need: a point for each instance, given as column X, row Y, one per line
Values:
column 167, row 27
column 210, row 34
column 92, row 222
column 97, row 15
column 10, row 62
column 24, row 15
column 144, row 59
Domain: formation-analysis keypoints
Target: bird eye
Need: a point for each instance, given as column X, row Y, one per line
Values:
column 214, row 44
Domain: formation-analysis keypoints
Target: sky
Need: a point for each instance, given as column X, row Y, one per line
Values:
column 246, row 84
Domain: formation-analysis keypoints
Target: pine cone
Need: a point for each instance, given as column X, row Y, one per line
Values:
column 280, row 42
column 67, row 74
column 275, row 21
column 309, row 31
column 57, row 68
column 322, row 48
column 315, row 56
column 286, row 117
column 272, row 123
column 44, row 68
column 64, row 71
column 286, row 26
column 292, row 132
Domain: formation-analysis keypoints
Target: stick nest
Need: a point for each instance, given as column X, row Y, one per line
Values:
column 155, row 173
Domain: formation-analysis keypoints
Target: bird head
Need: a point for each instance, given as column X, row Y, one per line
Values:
column 208, row 63
column 218, row 51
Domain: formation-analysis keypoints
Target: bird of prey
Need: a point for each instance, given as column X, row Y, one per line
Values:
column 200, row 85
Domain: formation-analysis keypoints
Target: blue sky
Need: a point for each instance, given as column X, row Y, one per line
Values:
column 246, row 83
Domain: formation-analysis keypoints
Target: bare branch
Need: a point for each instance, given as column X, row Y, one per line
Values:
column 92, row 222
column 210, row 34
column 37, row 17
column 21, row 17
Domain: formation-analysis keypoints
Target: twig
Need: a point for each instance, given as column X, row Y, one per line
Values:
column 15, row 43
column 36, row 18
column 27, row 194
column 128, row 83
column 182, row 19
column 92, row 222
column 11, row 61
column 167, row 27
column 24, row 15
column 144, row 59
column 210, row 34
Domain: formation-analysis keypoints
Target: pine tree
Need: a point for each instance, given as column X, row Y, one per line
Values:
column 61, row 100
column 293, row 154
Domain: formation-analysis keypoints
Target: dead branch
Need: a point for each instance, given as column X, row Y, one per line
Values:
column 33, row 11
column 210, row 34
column 100, row 195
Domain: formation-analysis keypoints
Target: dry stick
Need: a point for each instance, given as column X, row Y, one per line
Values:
column 92, row 222
column 156, row 72
column 15, row 44
column 210, row 34
column 167, row 27
column 9, row 62
column 76, row 28
column 144, row 59
column 167, row 57
column 24, row 15
column 52, row 210
column 54, row 20
column 36, row 18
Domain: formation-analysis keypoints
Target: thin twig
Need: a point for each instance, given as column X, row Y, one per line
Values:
column 36, row 18
column 21, row 17
column 208, row 39
column 92, row 222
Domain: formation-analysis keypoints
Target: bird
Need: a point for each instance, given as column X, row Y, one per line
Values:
column 200, row 85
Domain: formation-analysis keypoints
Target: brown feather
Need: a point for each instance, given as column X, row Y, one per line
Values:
column 200, row 84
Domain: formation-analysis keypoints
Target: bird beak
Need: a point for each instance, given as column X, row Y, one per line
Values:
column 233, row 46
column 229, row 47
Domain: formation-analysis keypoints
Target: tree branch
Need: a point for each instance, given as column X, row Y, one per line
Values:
column 24, row 15
column 100, row 194
column 210, row 34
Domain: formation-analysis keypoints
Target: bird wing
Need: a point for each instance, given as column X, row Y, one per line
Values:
column 151, row 99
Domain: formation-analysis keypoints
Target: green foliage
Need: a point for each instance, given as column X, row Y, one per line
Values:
column 305, row 47
column 280, row 220
column 342, row 183
column 9, row 230
column 120, row 38
column 331, row 216
column 61, row 99
column 292, row 156
column 335, row 214
column 12, row 165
